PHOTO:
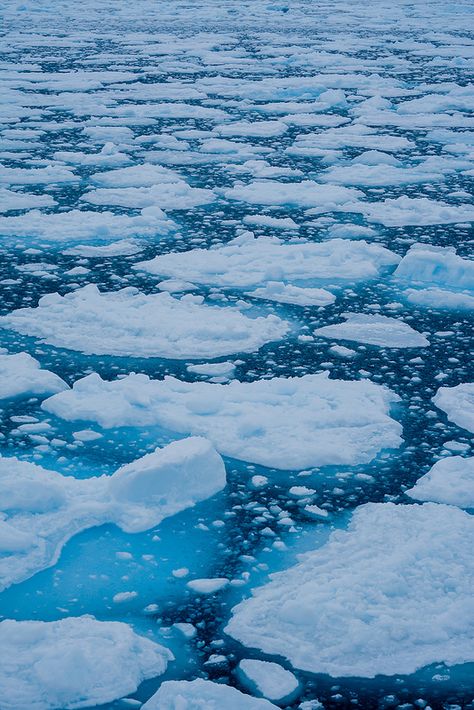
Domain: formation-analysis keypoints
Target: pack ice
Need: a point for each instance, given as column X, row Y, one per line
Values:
column 42, row 509
column 128, row 322
column 284, row 423
column 376, row 586
column 73, row 663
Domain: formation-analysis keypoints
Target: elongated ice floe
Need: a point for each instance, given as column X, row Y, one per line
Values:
column 364, row 603
column 374, row 330
column 199, row 693
column 450, row 481
column 282, row 423
column 405, row 211
column 12, row 200
column 294, row 194
column 296, row 295
column 22, row 375
column 82, row 224
column 249, row 261
column 128, row 322
column 458, row 403
column 74, row 663
column 41, row 509
column 167, row 196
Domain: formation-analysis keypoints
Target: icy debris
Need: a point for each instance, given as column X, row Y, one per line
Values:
column 21, row 375
column 374, row 330
column 42, row 509
column 81, row 224
column 377, row 587
column 325, row 198
column 267, row 679
column 74, row 662
column 283, row 423
column 458, row 403
column 249, row 261
column 450, row 481
column 131, row 323
column 203, row 695
column 286, row 293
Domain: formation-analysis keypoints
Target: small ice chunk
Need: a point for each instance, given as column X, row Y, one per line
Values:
column 267, row 679
column 208, row 586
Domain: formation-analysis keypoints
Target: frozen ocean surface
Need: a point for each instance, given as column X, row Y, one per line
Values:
column 236, row 336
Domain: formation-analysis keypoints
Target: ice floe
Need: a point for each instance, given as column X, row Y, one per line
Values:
column 74, row 662
column 450, row 481
column 458, row 403
column 307, row 193
column 42, row 509
column 406, row 211
column 202, row 694
column 285, row 423
column 377, row 587
column 267, row 679
column 22, row 375
column 374, row 330
column 128, row 322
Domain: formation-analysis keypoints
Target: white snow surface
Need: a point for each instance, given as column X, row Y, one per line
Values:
column 374, row 330
column 40, row 510
column 376, row 587
column 450, row 481
column 267, row 679
column 75, row 662
column 128, row 322
column 285, row 423
column 203, row 695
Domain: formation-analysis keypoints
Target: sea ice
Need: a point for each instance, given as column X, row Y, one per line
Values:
column 450, row 481
column 202, row 695
column 42, row 509
column 128, row 322
column 374, row 330
column 74, row 663
column 405, row 211
column 285, row 423
column 458, row 403
column 21, row 375
column 267, row 679
column 364, row 603
column 325, row 198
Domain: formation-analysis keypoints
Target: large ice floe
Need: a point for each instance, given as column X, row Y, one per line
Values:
column 128, row 322
column 407, row 211
column 450, row 481
column 286, row 423
column 378, row 587
column 41, row 509
column 202, row 694
column 374, row 330
column 22, row 375
column 458, row 403
column 250, row 261
column 442, row 278
column 73, row 663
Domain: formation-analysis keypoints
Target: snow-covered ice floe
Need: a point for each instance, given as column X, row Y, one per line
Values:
column 267, row 679
column 287, row 293
column 285, row 423
column 249, row 261
column 324, row 198
column 450, row 481
column 203, row 695
column 458, row 403
column 416, row 211
column 41, row 509
column 442, row 278
column 22, row 375
column 374, row 330
column 73, row 663
column 128, row 322
column 376, row 588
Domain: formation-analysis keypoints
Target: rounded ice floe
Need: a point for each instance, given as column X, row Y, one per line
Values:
column 21, row 375
column 41, row 509
column 144, row 175
column 249, row 261
column 286, row 293
column 374, row 330
column 73, row 663
column 364, row 603
column 128, row 322
column 405, row 211
column 202, row 695
column 283, row 423
column 81, row 224
column 450, row 481
column 458, row 403
column 294, row 194
column 267, row 679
